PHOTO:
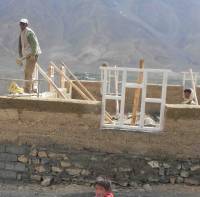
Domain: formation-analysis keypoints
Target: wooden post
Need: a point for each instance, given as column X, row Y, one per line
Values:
column 102, row 77
column 84, row 89
column 51, row 76
column 137, row 93
column 89, row 96
column 62, row 78
column 70, row 81
column 50, row 81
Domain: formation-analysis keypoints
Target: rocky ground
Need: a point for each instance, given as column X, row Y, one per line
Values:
column 31, row 190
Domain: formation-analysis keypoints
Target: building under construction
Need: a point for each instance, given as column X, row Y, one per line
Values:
column 127, row 126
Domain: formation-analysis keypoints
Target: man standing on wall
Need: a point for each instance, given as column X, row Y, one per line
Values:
column 29, row 49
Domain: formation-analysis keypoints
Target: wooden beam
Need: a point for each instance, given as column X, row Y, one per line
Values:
column 82, row 94
column 84, row 89
column 51, row 76
column 62, row 79
column 42, row 72
column 85, row 95
column 137, row 93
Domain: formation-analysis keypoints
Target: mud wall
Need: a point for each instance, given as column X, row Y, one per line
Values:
column 174, row 96
column 76, row 124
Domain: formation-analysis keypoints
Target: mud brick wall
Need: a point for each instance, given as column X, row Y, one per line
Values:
column 75, row 125
column 47, row 121
column 55, row 164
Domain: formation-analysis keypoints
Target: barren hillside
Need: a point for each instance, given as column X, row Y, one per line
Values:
column 86, row 33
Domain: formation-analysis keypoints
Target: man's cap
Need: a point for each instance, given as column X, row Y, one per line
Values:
column 24, row 20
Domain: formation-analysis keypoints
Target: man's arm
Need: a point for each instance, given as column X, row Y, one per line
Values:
column 33, row 43
column 20, row 47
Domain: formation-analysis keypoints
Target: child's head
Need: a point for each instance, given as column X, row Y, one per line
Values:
column 187, row 93
column 102, row 186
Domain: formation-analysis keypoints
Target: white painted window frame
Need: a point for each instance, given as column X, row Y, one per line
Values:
column 105, row 74
column 187, row 77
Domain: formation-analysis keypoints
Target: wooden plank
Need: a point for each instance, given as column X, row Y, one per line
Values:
column 51, row 76
column 42, row 72
column 137, row 93
column 82, row 94
column 62, row 79
column 84, row 88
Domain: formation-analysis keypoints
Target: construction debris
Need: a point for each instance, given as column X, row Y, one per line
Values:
column 15, row 89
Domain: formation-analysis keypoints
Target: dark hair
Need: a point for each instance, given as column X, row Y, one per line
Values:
column 188, row 90
column 104, row 182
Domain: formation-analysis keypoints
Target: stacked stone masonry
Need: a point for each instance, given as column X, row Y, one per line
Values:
column 53, row 165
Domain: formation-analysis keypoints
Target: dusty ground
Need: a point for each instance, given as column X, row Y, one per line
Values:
column 14, row 190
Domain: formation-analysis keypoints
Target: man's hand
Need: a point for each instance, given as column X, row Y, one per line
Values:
column 19, row 62
column 31, row 57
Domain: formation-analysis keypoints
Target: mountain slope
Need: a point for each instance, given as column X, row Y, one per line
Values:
column 86, row 33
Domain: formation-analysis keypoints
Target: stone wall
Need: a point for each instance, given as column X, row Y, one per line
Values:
column 53, row 165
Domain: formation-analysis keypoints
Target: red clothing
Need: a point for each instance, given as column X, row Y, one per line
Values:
column 109, row 195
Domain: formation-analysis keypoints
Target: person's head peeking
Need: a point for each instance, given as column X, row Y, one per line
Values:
column 23, row 23
column 102, row 186
column 187, row 93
